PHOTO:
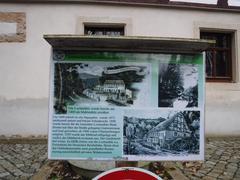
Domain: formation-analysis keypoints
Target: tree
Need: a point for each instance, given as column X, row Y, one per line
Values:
column 59, row 104
column 192, row 96
column 66, row 85
column 170, row 85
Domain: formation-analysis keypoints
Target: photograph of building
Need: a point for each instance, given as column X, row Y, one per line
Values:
column 97, row 84
column 168, row 133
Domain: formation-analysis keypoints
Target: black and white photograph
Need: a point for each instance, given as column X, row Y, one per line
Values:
column 101, row 83
column 178, row 85
column 161, row 132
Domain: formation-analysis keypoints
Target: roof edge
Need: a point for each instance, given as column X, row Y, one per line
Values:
column 146, row 3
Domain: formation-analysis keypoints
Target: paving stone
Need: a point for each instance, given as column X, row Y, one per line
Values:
column 24, row 178
column 210, row 163
column 27, row 169
column 222, row 160
column 231, row 170
column 7, row 165
column 36, row 165
column 9, row 177
column 237, row 173
column 193, row 178
column 217, row 171
column 19, row 165
column 21, row 161
column 219, row 167
column 212, row 174
column 225, row 177
column 203, row 171
column 17, row 172
column 206, row 170
column 233, row 164
column 209, row 178
column 4, row 174
column 229, row 174
column 234, row 160
column 2, row 169
column 198, row 174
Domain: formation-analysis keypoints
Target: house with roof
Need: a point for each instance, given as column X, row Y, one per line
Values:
column 114, row 86
column 165, row 133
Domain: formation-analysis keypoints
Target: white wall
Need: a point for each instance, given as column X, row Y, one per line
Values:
column 197, row 1
column 24, row 67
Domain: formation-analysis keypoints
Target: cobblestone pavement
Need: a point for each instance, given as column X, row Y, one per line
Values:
column 222, row 161
column 21, row 161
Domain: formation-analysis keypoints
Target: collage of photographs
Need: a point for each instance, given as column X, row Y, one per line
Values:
column 168, row 128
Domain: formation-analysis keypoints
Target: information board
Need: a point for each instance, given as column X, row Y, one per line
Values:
column 126, row 106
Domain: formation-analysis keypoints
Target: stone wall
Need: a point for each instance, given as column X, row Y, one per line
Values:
column 13, row 27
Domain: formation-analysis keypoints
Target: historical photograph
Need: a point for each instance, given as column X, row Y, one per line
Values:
column 161, row 132
column 178, row 85
column 100, row 83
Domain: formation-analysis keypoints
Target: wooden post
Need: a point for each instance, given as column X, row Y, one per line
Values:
column 126, row 164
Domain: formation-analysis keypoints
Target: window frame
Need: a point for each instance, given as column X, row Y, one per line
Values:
column 105, row 27
column 214, row 50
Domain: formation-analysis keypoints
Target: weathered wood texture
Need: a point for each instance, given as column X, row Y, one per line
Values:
column 128, row 44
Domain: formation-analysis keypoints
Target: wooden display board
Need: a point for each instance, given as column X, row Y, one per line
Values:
column 126, row 98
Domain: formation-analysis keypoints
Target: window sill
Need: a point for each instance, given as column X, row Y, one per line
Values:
column 220, row 79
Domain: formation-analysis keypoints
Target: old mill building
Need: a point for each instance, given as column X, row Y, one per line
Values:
column 25, row 55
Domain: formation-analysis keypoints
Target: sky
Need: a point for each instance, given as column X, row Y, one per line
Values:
column 96, row 68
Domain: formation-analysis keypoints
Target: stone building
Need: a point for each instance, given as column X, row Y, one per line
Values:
column 25, row 55
column 114, row 86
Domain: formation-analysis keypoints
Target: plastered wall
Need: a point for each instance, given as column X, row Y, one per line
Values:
column 24, row 66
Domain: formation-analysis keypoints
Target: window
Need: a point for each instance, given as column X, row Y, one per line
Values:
column 101, row 30
column 218, row 57
column 175, row 134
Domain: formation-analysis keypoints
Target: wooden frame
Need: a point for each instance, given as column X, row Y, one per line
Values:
column 214, row 50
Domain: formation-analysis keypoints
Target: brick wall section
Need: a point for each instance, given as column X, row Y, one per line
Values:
column 14, row 17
